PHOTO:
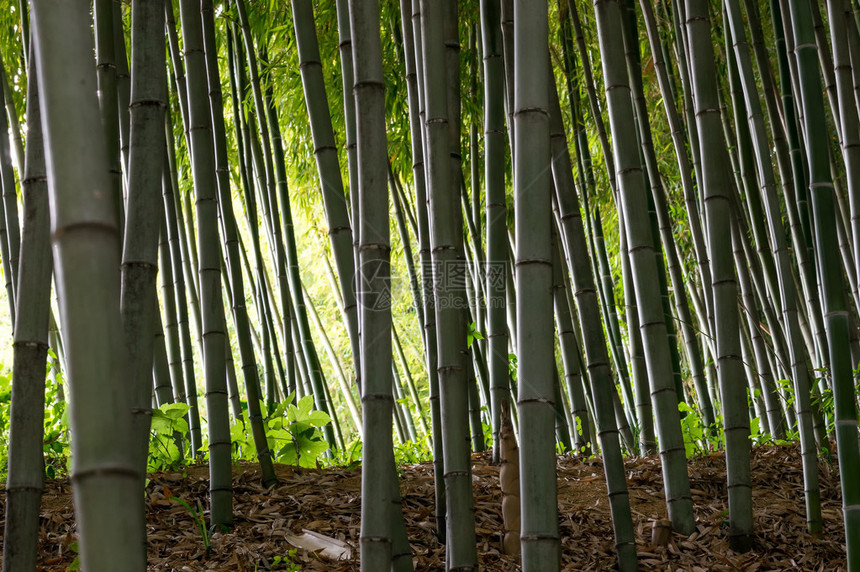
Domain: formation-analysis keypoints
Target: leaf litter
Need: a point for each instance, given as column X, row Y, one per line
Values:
column 319, row 511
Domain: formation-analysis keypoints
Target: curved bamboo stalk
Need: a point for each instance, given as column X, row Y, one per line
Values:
column 10, row 210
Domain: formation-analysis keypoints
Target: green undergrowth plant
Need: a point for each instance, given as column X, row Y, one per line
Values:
column 294, row 431
column 413, row 452
column 197, row 515
column 56, row 444
column 286, row 562
column 168, row 431
column 5, row 402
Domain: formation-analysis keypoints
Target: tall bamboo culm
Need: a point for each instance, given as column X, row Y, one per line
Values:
column 446, row 242
column 835, row 313
column 536, row 404
column 24, row 481
column 383, row 533
column 87, row 246
column 718, row 213
column 641, row 248
column 209, row 265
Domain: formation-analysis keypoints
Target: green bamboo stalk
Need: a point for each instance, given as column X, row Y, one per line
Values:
column 179, row 260
column 633, row 203
column 446, row 240
column 755, row 403
column 610, row 314
column 6, row 262
column 830, row 277
column 25, row 471
column 496, row 213
column 209, row 265
column 796, row 134
column 381, row 546
column 231, row 248
column 175, row 55
column 123, row 83
column 10, row 210
column 684, row 168
column 106, row 72
column 661, row 223
column 245, row 155
column 325, row 152
column 233, row 396
column 760, row 366
column 344, row 30
column 719, row 218
column 160, row 369
column 12, row 117
column 414, row 278
column 681, row 44
column 192, row 263
column 474, row 217
column 86, row 240
column 412, row 43
column 143, row 218
column 842, row 56
column 262, row 340
column 170, row 325
column 593, row 340
column 570, row 360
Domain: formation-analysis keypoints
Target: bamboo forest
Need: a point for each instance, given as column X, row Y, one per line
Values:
column 430, row 285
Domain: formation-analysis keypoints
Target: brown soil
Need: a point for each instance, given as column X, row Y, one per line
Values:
column 327, row 501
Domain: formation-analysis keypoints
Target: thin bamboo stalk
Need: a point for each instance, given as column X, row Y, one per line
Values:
column 209, row 265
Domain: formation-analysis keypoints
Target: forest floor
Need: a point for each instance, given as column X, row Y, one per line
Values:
column 327, row 502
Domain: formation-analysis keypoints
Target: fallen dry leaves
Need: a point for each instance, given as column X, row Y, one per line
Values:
column 327, row 502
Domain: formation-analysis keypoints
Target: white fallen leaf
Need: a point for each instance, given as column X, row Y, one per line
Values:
column 324, row 545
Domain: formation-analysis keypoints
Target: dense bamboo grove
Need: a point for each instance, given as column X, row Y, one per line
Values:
column 633, row 227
